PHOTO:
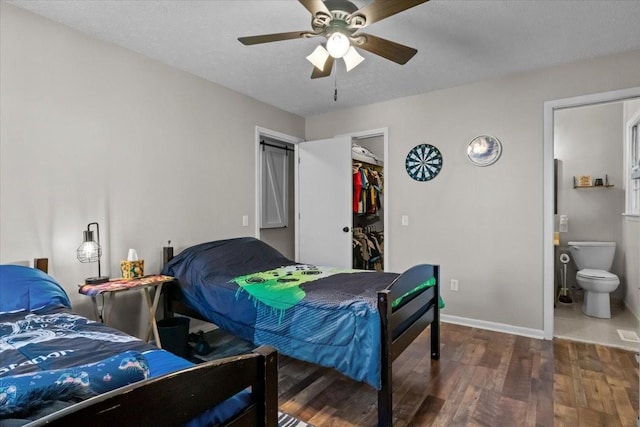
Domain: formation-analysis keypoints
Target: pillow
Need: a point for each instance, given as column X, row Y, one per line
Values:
column 25, row 288
column 30, row 391
column 230, row 258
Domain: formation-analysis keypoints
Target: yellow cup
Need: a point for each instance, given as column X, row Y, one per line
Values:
column 132, row 269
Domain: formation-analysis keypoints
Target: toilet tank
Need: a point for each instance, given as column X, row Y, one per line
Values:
column 593, row 255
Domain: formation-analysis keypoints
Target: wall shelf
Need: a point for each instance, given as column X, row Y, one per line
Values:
column 605, row 184
column 594, row 186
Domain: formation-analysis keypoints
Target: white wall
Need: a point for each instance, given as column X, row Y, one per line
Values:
column 375, row 144
column 588, row 141
column 482, row 225
column 94, row 132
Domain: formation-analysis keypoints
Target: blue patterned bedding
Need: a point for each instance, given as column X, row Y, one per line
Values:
column 51, row 358
column 57, row 339
column 317, row 314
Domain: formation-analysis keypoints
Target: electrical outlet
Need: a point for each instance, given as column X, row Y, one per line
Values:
column 454, row 285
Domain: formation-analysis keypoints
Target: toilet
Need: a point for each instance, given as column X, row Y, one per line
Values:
column 594, row 260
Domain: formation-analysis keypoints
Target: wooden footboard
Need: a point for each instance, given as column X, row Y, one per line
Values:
column 173, row 399
column 415, row 309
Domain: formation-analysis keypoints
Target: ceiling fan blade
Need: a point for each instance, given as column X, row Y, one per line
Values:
column 392, row 51
column 326, row 71
column 315, row 6
column 267, row 38
column 378, row 10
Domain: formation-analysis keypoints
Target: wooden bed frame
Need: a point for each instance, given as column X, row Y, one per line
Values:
column 178, row 397
column 399, row 326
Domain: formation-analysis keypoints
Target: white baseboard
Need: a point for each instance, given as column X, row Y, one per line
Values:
column 493, row 326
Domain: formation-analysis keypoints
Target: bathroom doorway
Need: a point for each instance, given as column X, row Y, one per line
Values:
column 584, row 137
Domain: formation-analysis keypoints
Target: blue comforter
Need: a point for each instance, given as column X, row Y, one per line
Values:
column 53, row 355
column 317, row 314
column 57, row 339
column 51, row 358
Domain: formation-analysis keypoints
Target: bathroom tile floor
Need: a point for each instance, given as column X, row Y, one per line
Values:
column 571, row 324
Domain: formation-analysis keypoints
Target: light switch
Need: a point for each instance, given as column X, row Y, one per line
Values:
column 405, row 220
column 245, row 220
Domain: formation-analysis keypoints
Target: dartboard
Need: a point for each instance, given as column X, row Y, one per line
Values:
column 423, row 162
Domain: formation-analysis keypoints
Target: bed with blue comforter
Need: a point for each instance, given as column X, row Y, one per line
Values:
column 355, row 321
column 52, row 359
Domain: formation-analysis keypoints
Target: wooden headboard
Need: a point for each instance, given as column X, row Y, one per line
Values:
column 41, row 264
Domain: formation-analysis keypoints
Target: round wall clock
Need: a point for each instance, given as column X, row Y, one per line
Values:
column 423, row 162
column 484, row 150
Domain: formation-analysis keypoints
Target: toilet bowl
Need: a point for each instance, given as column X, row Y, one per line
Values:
column 593, row 260
column 597, row 286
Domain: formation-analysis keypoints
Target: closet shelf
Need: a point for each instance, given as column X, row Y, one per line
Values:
column 366, row 159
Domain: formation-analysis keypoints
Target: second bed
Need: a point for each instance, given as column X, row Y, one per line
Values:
column 355, row 321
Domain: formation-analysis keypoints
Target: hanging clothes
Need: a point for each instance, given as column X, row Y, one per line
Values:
column 367, row 215
column 367, row 249
column 367, row 187
column 357, row 187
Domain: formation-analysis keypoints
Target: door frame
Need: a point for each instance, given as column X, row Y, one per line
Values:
column 261, row 132
column 548, row 189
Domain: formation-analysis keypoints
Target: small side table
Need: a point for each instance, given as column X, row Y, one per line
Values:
column 122, row 285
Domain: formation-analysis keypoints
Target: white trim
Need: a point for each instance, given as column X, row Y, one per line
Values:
column 547, row 202
column 631, row 217
column 628, row 126
column 493, row 326
column 272, row 134
column 547, row 224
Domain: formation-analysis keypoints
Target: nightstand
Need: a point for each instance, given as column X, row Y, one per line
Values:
column 115, row 286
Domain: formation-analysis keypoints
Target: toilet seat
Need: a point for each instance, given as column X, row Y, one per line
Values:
column 598, row 276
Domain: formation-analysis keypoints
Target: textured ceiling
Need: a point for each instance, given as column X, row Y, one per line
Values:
column 457, row 41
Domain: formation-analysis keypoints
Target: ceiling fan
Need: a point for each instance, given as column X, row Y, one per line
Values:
column 340, row 22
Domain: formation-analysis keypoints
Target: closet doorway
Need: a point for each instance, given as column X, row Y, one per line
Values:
column 326, row 212
column 367, row 159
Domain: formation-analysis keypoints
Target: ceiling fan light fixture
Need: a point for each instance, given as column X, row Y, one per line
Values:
column 338, row 44
column 340, row 22
column 319, row 57
column 352, row 58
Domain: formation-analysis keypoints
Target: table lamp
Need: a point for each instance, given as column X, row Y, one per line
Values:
column 90, row 251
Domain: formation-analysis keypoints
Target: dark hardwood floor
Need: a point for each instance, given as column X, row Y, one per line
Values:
column 483, row 378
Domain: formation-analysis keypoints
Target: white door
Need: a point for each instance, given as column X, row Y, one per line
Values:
column 324, row 199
